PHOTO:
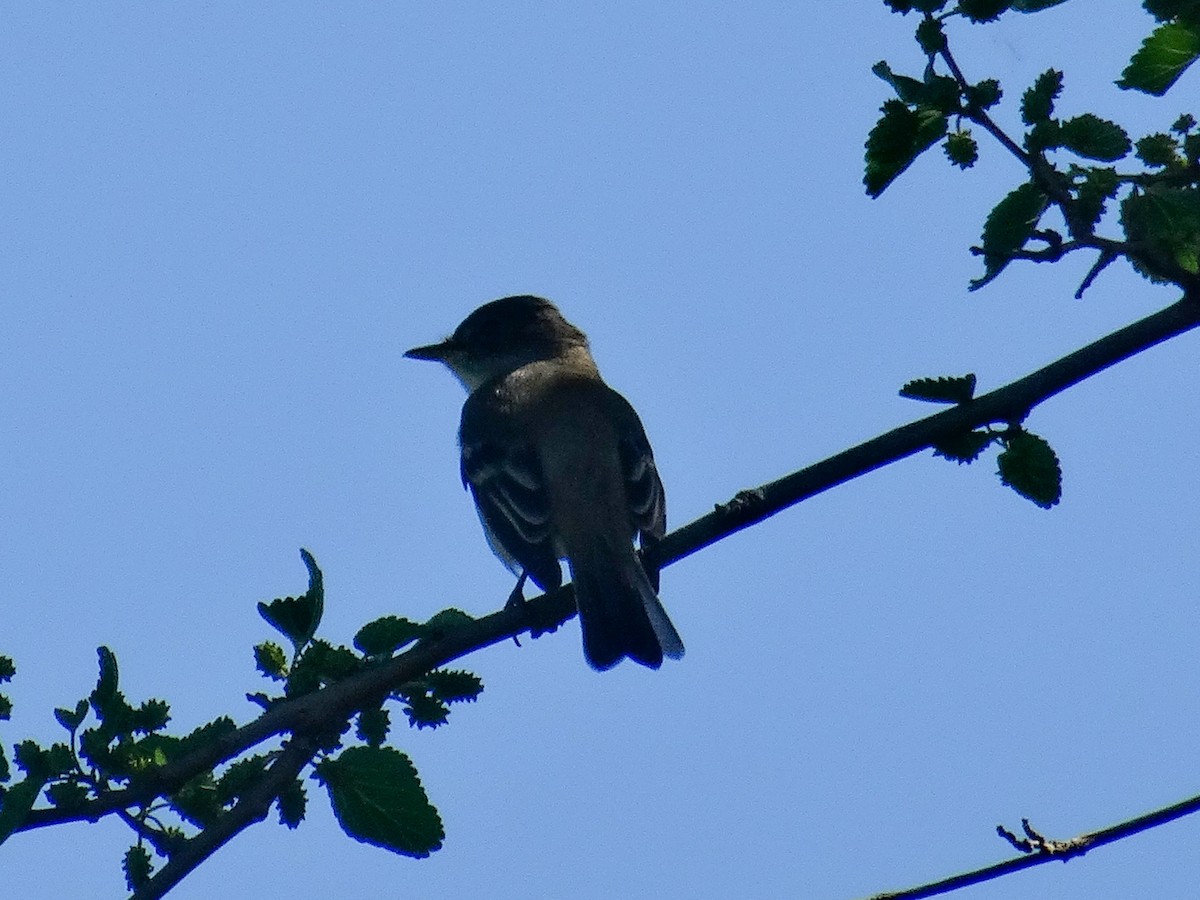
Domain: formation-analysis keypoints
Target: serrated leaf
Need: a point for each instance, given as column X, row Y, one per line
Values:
column 1032, row 6
column 18, row 800
column 7, row 669
column 983, row 10
column 1008, row 226
column 425, row 711
column 961, row 149
column 1158, row 150
column 945, row 389
column 1037, row 103
column 454, row 686
column 270, row 660
column 292, row 803
column 71, row 719
column 964, row 447
column 1167, row 221
column 1091, row 137
column 931, row 36
column 137, row 867
column 385, row 636
column 1162, row 58
column 897, row 139
column 1029, row 466
column 378, row 799
column 373, row 726
column 1164, row 10
column 1098, row 186
column 297, row 618
column 106, row 682
column 985, row 94
column 67, row 794
column 445, row 621
column 907, row 89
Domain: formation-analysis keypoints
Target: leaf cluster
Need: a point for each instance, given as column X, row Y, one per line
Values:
column 115, row 749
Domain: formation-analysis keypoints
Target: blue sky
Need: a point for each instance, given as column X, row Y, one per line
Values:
column 223, row 225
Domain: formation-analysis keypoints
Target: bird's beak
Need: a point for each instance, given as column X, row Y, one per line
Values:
column 434, row 352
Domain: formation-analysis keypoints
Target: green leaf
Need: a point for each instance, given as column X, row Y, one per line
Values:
column 1028, row 466
column 1098, row 186
column 964, row 447
column 7, row 669
column 373, row 726
column 946, row 389
column 1008, row 226
column 1162, row 58
column 16, row 803
column 983, row 10
column 292, row 803
column 137, row 867
column 1184, row 124
column 385, row 636
column 1037, row 103
column 446, row 621
column 897, row 139
column 1165, row 10
column 1032, row 6
column 425, row 711
column 931, row 36
column 297, row 618
column 1091, row 137
column 1167, row 221
column 454, row 686
column 961, row 149
column 270, row 660
column 67, row 794
column 71, row 719
column 985, row 94
column 378, row 799
column 1158, row 150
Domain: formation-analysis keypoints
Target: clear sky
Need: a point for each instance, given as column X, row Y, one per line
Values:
column 223, row 223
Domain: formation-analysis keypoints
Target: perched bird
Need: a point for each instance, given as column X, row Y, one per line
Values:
column 559, row 467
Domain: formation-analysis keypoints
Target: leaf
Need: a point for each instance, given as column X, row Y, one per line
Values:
column 16, row 803
column 1032, row 6
column 961, row 149
column 1164, row 10
column 454, row 686
column 297, row 618
column 270, row 660
column 385, row 636
column 1098, row 186
column 1167, row 221
column 7, row 669
column 1037, row 103
column 70, row 719
column 964, row 447
column 445, row 621
column 1162, row 58
column 946, row 389
column 373, row 726
column 983, row 10
column 425, row 711
column 931, row 36
column 1008, row 226
column 292, row 803
column 897, row 139
column 137, row 867
column 1158, row 150
column 1028, row 466
column 378, row 799
column 985, row 94
column 1091, row 137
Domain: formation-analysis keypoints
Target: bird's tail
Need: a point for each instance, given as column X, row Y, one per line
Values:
column 619, row 612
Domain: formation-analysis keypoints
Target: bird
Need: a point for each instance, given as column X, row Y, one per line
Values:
column 559, row 467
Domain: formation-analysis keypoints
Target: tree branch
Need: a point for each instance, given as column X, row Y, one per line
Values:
column 330, row 707
column 1052, row 851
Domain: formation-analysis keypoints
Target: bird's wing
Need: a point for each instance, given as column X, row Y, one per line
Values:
column 504, row 476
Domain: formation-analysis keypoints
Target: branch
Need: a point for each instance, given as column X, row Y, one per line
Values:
column 1048, row 851
column 315, row 712
column 251, row 807
column 1011, row 403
